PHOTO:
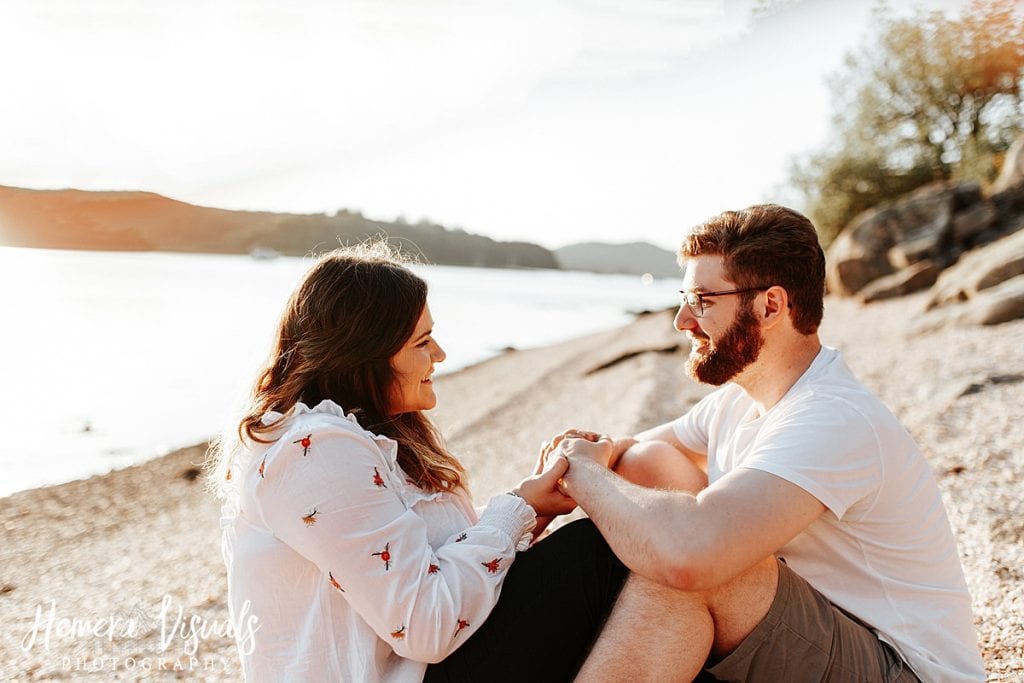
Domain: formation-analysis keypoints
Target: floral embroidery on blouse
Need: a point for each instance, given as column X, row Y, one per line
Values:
column 385, row 556
column 305, row 441
column 378, row 480
column 334, row 582
column 262, row 465
column 399, row 633
column 433, row 568
column 310, row 519
column 461, row 537
column 493, row 565
column 461, row 624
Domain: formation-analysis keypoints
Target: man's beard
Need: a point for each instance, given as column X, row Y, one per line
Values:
column 738, row 348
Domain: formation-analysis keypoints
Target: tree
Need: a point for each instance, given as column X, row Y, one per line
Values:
column 930, row 98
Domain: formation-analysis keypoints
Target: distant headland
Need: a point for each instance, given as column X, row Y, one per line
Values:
column 146, row 221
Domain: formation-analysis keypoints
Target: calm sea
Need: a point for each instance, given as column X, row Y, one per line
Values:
column 109, row 359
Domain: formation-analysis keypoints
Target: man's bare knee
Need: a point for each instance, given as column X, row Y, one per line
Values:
column 739, row 605
column 657, row 464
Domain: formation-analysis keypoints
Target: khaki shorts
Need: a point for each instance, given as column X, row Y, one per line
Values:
column 804, row 637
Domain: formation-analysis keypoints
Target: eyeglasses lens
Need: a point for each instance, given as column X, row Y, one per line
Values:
column 695, row 303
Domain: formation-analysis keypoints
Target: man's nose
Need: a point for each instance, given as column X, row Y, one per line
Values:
column 685, row 319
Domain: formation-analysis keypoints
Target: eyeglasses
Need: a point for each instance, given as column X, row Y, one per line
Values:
column 695, row 300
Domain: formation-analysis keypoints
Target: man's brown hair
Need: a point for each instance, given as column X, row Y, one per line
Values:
column 766, row 245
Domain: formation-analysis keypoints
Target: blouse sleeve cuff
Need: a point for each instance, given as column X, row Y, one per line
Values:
column 514, row 516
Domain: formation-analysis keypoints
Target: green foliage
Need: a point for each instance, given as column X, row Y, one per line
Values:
column 931, row 97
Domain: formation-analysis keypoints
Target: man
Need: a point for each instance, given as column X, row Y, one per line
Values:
column 820, row 548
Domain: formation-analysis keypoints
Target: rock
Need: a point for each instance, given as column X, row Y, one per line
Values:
column 850, row 266
column 1012, row 171
column 879, row 241
column 1000, row 304
column 991, row 380
column 919, row 276
column 980, row 269
column 975, row 220
column 937, row 225
column 994, row 306
column 1009, row 202
column 908, row 253
column 966, row 194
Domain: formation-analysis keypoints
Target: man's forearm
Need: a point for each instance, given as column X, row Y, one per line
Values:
column 646, row 528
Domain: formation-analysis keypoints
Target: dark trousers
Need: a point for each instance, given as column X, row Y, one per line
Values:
column 553, row 604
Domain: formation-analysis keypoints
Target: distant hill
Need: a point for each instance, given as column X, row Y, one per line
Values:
column 144, row 221
column 635, row 258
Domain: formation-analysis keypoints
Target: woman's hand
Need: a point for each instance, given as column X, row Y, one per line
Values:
column 541, row 492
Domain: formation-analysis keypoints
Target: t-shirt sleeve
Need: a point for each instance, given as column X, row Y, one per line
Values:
column 826, row 447
column 330, row 498
column 693, row 427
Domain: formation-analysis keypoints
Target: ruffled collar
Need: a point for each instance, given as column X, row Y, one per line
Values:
column 328, row 407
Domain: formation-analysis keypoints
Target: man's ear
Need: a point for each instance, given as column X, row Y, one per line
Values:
column 776, row 305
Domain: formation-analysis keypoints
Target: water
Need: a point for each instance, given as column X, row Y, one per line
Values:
column 108, row 359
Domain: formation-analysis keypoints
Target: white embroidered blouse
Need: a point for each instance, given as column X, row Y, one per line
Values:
column 342, row 569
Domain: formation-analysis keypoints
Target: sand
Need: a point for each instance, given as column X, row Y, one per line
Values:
column 134, row 555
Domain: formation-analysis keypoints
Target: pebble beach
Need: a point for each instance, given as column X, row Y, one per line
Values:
column 133, row 556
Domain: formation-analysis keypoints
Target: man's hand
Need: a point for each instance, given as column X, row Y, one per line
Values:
column 619, row 446
column 598, row 448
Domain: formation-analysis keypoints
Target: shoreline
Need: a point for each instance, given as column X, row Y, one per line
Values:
column 124, row 544
column 192, row 443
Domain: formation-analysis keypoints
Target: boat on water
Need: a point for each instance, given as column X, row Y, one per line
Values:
column 264, row 253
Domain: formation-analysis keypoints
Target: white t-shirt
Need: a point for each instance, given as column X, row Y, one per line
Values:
column 351, row 572
column 883, row 550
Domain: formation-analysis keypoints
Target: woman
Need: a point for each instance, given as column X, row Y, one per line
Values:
column 352, row 547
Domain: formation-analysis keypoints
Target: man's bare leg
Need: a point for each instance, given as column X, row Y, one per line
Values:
column 658, row 633
column 656, row 464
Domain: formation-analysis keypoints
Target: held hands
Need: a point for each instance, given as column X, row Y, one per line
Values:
column 597, row 447
column 541, row 490
column 618, row 446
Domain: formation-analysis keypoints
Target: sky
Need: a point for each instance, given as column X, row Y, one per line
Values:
column 550, row 121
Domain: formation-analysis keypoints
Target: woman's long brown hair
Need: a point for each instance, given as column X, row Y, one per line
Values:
column 353, row 311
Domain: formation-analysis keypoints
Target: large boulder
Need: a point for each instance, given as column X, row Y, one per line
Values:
column 980, row 269
column 878, row 253
column 937, row 224
column 880, row 241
